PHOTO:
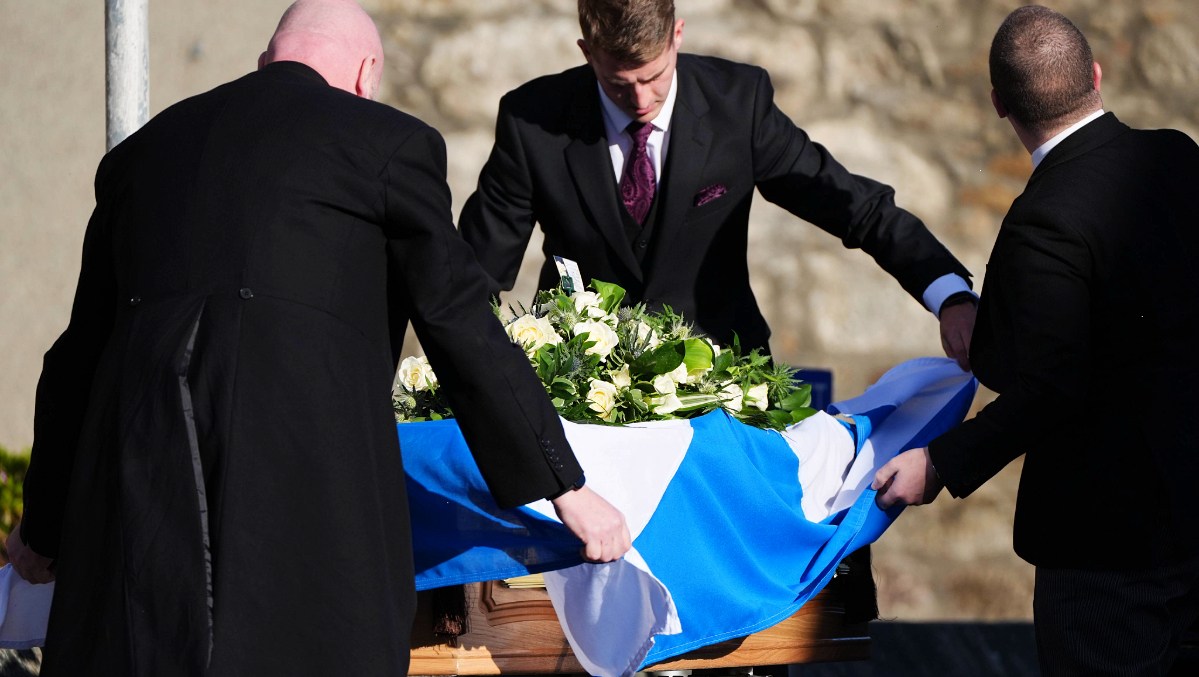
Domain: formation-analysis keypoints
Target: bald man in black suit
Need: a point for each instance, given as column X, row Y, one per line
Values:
column 216, row 481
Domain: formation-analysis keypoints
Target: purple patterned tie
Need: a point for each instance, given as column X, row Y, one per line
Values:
column 637, row 183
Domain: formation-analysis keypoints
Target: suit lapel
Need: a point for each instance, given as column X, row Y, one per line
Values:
column 590, row 166
column 687, row 156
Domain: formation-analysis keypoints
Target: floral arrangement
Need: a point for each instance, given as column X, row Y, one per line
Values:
column 603, row 363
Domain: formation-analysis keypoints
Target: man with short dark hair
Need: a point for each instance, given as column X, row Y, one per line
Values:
column 216, row 483
column 1087, row 329
column 642, row 164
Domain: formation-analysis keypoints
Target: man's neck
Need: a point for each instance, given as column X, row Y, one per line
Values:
column 1032, row 140
column 1060, row 135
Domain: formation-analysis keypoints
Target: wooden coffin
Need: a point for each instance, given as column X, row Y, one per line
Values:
column 515, row 631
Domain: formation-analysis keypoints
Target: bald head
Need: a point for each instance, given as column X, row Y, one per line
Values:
column 337, row 38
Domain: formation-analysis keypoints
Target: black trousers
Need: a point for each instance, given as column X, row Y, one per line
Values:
column 1096, row 622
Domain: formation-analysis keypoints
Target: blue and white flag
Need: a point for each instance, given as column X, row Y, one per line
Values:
column 733, row 527
column 24, row 610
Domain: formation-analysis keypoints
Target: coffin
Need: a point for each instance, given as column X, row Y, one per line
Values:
column 515, row 631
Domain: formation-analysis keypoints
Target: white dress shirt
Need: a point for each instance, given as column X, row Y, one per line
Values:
column 1043, row 150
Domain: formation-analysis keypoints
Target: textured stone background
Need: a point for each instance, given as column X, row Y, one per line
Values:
column 897, row 90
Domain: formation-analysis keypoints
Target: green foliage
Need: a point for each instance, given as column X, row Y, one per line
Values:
column 603, row 363
column 12, row 476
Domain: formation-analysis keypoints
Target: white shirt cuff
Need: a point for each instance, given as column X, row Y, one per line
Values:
column 942, row 288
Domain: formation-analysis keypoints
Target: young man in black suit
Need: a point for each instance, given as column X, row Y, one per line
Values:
column 641, row 166
column 216, row 481
column 1087, row 329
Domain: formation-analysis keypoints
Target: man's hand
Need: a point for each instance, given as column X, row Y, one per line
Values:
column 957, row 326
column 27, row 563
column 907, row 479
column 596, row 522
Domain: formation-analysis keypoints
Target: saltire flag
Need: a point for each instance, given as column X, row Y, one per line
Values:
column 733, row 527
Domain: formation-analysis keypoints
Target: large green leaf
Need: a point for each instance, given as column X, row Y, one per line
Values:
column 661, row 360
column 723, row 361
column 611, row 295
column 697, row 354
column 801, row 413
column 778, row 418
column 800, row 397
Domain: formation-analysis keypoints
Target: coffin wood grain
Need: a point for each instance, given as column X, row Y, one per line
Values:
column 515, row 631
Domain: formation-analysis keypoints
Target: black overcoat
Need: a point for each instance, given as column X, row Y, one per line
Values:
column 215, row 462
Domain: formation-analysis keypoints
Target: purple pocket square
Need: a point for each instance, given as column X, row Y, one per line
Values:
column 710, row 193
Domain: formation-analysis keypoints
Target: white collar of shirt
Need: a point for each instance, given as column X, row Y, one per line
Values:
column 1040, row 153
column 620, row 143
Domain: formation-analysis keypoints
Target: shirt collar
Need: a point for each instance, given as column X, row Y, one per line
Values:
column 1043, row 150
column 616, row 120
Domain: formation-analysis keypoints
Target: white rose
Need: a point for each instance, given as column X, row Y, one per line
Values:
column 666, row 404
column 732, row 397
column 532, row 332
column 587, row 303
column 602, row 398
column 647, row 335
column 758, row 396
column 664, row 384
column 621, row 378
column 416, row 374
column 679, row 374
column 601, row 334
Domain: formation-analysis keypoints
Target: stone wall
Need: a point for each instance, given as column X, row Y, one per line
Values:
column 897, row 90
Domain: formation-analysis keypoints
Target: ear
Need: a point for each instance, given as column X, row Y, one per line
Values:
column 583, row 48
column 678, row 34
column 261, row 60
column 366, row 83
column 1096, row 74
column 1000, row 109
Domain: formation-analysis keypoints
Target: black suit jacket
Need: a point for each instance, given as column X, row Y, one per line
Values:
column 1087, row 329
column 215, row 461
column 550, row 165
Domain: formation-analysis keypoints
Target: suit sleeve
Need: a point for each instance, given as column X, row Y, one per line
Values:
column 1040, row 274
column 501, row 407
column 68, row 370
column 498, row 219
column 801, row 176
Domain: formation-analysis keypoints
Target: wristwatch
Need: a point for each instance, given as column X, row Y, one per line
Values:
column 957, row 298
